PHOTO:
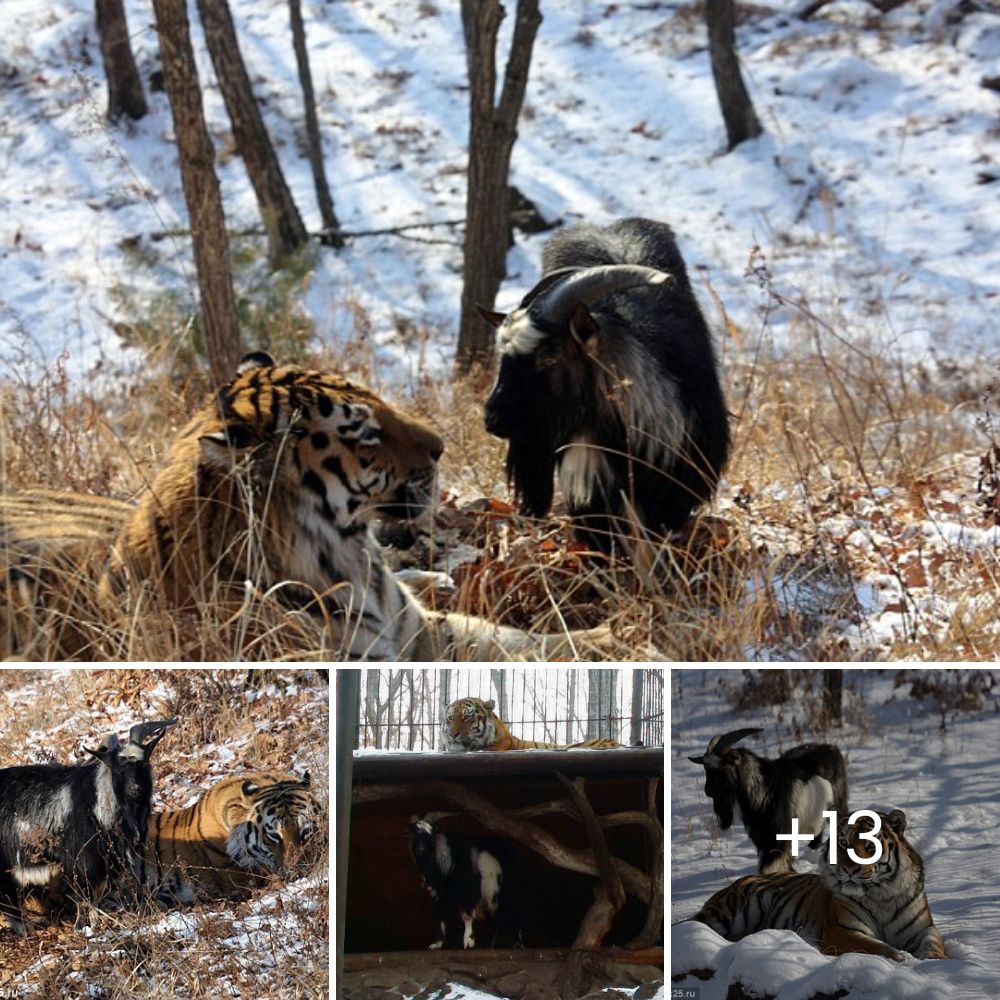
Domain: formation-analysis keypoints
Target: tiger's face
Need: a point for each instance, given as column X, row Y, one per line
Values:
column 315, row 434
column 469, row 725
column 281, row 819
column 854, row 880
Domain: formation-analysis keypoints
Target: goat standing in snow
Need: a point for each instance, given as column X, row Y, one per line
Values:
column 766, row 794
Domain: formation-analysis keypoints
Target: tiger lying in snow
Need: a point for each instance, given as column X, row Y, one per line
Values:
column 878, row 908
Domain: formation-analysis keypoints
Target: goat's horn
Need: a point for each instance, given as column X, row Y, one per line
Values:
column 111, row 742
column 546, row 282
column 433, row 817
column 591, row 285
column 718, row 745
column 143, row 729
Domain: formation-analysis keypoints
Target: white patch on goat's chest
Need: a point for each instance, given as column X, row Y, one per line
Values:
column 442, row 854
column 809, row 799
column 518, row 335
column 105, row 805
column 582, row 466
column 491, row 878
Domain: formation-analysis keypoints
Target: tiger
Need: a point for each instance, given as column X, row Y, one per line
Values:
column 472, row 724
column 241, row 830
column 878, row 908
column 270, row 489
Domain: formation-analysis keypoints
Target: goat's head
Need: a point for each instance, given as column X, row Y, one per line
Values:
column 546, row 389
column 722, row 765
column 125, row 781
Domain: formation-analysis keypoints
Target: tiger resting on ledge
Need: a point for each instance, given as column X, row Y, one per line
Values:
column 879, row 908
column 269, row 489
column 472, row 724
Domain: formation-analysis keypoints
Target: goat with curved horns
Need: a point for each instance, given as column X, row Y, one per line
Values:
column 766, row 794
column 608, row 381
column 76, row 830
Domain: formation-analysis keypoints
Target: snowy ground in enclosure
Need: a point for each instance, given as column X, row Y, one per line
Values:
column 898, row 755
column 872, row 197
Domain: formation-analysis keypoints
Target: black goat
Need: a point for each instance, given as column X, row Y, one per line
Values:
column 766, row 794
column 471, row 879
column 74, row 830
column 608, row 378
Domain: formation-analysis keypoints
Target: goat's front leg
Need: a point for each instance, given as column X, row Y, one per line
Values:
column 468, row 940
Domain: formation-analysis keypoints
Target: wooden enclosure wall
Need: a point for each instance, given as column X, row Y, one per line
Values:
column 388, row 909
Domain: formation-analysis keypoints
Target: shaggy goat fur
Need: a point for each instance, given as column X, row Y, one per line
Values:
column 608, row 379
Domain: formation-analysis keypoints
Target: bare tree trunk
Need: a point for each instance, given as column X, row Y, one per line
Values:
column 285, row 229
column 833, row 696
column 201, row 190
column 330, row 235
column 125, row 96
column 492, row 132
column 602, row 704
column 737, row 109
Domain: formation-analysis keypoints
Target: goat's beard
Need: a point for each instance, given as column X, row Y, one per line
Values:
column 531, row 466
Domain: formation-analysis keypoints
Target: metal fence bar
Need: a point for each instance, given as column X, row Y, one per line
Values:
column 403, row 709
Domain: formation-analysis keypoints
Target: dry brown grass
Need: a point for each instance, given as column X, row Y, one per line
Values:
column 276, row 942
column 834, row 535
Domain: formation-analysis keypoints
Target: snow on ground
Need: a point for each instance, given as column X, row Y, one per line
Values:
column 271, row 944
column 901, row 753
column 872, row 196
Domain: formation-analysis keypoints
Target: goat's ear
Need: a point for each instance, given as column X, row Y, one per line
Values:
column 584, row 327
column 495, row 319
column 148, row 748
column 102, row 753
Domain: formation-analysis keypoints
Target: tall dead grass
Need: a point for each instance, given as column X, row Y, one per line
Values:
column 841, row 531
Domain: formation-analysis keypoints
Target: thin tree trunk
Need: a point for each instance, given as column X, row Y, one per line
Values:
column 833, row 696
column 201, row 190
column 125, row 96
column 492, row 133
column 285, row 229
column 330, row 235
column 737, row 109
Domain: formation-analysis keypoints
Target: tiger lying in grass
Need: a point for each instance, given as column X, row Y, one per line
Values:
column 269, row 489
column 243, row 829
column 878, row 908
column 472, row 724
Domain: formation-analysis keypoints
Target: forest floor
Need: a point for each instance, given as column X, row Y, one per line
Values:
column 275, row 943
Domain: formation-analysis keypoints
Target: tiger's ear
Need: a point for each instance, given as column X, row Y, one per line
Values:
column 255, row 359
column 489, row 705
column 897, row 820
column 249, row 788
column 305, row 779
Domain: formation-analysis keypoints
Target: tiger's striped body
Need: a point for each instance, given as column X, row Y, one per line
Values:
column 53, row 547
column 472, row 724
column 239, row 832
column 878, row 908
column 270, row 489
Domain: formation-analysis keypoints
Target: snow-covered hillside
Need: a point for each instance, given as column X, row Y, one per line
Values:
column 941, row 769
column 872, row 197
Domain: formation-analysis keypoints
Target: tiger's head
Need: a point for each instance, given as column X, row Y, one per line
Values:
column 281, row 818
column 899, row 862
column 316, row 432
column 297, row 460
column 469, row 724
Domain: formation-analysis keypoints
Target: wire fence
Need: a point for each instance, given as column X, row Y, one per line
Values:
column 405, row 709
